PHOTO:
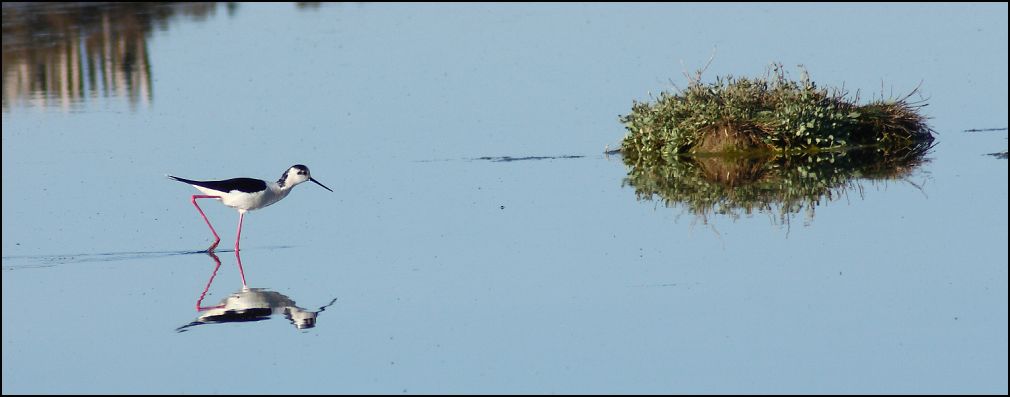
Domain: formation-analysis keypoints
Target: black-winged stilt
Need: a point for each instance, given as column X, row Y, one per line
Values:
column 247, row 194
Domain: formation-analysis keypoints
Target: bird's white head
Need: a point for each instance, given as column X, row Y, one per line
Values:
column 297, row 174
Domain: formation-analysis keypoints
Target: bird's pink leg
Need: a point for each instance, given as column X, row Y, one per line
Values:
column 216, row 238
column 238, row 236
column 217, row 265
column 240, row 270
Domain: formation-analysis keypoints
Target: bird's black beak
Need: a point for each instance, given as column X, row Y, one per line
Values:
column 320, row 184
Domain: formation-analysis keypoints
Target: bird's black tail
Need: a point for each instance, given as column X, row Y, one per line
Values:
column 183, row 180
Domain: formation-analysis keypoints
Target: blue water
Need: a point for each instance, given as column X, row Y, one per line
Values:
column 456, row 273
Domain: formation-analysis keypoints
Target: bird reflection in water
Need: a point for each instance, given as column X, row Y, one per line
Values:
column 250, row 304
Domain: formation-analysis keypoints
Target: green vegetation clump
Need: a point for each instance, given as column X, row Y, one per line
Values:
column 772, row 114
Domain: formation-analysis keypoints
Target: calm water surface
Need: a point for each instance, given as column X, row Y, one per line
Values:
column 479, row 240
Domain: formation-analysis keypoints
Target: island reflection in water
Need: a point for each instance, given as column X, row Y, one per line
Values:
column 251, row 304
column 777, row 184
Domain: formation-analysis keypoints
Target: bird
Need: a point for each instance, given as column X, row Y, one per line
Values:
column 247, row 194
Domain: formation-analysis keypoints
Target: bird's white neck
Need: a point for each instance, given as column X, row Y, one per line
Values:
column 280, row 186
column 280, row 189
column 274, row 193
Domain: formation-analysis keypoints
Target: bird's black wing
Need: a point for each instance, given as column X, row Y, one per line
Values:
column 246, row 185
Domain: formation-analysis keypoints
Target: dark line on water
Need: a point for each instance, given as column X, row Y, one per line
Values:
column 1000, row 155
column 986, row 129
column 507, row 159
column 45, row 261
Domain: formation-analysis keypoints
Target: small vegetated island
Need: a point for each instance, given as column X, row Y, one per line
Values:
column 745, row 144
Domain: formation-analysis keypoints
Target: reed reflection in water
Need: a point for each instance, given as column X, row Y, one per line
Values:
column 64, row 54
